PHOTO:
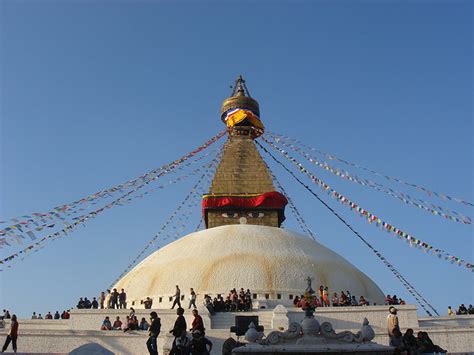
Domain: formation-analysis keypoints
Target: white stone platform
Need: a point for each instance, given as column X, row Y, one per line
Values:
column 62, row 336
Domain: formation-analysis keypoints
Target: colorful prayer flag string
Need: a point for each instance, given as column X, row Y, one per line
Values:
column 151, row 243
column 19, row 238
column 410, row 288
column 81, row 220
column 299, row 218
column 56, row 212
column 370, row 217
column 434, row 210
column 387, row 177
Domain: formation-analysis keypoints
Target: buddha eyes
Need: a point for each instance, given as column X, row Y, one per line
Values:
column 236, row 215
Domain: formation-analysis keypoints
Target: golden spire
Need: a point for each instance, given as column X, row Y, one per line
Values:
column 240, row 98
column 241, row 110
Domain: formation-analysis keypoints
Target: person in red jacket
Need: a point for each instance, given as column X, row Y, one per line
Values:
column 198, row 323
column 12, row 335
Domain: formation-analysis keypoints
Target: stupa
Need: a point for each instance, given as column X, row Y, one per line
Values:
column 243, row 244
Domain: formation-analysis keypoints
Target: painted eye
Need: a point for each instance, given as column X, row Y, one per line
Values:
column 256, row 214
column 229, row 215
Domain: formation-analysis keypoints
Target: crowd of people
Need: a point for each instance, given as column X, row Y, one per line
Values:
column 462, row 310
column 183, row 344
column 85, row 303
column 411, row 345
column 109, row 299
column 234, row 302
column 6, row 314
column 131, row 323
column 343, row 299
column 407, row 343
column 241, row 300
column 63, row 315
column 325, row 299
column 393, row 301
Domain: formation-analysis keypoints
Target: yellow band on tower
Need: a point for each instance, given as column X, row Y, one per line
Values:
column 238, row 116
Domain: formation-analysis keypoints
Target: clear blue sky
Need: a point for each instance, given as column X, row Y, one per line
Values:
column 96, row 92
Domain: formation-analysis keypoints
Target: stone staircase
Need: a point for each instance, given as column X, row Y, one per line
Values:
column 225, row 320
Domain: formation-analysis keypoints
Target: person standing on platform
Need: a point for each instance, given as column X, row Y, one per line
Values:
column 179, row 326
column 192, row 299
column 392, row 324
column 12, row 334
column 108, row 299
column 177, row 299
column 123, row 299
column 114, row 299
column 154, row 331
column 102, row 300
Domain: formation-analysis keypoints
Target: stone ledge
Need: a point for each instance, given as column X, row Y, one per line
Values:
column 315, row 349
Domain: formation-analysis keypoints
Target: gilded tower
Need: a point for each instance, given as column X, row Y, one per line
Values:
column 242, row 191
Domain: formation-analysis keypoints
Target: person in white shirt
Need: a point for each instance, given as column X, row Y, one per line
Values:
column 192, row 299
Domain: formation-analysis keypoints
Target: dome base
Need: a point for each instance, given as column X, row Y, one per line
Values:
column 272, row 262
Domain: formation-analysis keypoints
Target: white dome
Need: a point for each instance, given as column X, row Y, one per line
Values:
column 264, row 259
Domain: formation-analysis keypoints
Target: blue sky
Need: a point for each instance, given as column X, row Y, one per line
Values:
column 94, row 93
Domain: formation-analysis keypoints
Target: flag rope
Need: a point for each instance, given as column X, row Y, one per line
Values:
column 387, row 177
column 35, row 247
column 80, row 220
column 56, row 212
column 404, row 197
column 299, row 218
column 191, row 194
column 370, row 217
column 22, row 234
column 418, row 297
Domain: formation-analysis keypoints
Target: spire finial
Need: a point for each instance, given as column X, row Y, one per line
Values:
column 240, row 109
column 240, row 87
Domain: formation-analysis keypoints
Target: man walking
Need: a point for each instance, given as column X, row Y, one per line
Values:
column 192, row 299
column 154, row 331
column 12, row 335
column 392, row 324
column 177, row 299
column 179, row 327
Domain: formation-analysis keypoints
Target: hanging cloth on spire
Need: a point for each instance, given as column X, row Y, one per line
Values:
column 237, row 116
